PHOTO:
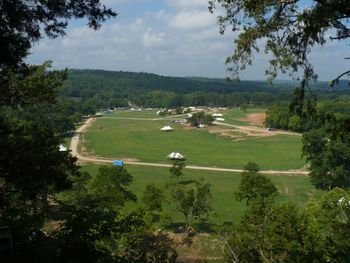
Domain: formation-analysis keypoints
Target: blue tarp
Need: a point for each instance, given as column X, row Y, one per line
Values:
column 118, row 163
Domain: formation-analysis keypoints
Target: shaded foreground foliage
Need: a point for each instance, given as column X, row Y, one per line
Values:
column 90, row 224
column 270, row 232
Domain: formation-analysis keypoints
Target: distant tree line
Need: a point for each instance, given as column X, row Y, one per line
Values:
column 90, row 90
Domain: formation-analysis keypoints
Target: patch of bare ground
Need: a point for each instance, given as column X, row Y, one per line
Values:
column 201, row 247
column 255, row 118
column 238, row 134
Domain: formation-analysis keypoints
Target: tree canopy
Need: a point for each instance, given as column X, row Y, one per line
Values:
column 288, row 30
column 24, row 22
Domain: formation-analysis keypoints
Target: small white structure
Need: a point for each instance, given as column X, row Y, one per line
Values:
column 220, row 119
column 166, row 128
column 200, row 125
column 217, row 115
column 62, row 148
column 189, row 115
column 176, row 156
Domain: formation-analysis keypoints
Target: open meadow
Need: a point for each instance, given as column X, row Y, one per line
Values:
column 121, row 137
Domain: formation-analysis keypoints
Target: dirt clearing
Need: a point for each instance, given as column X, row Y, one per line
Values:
column 255, row 118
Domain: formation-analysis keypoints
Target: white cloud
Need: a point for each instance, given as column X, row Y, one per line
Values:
column 137, row 24
column 180, row 38
column 192, row 20
column 188, row 3
column 153, row 39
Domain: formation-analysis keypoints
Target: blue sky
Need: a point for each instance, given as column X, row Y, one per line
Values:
column 166, row 37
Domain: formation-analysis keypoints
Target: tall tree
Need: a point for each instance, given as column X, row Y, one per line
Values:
column 176, row 171
column 289, row 30
column 31, row 167
column 110, row 186
column 327, row 149
column 255, row 187
column 193, row 201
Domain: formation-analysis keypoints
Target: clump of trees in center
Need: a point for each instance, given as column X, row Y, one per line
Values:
column 200, row 118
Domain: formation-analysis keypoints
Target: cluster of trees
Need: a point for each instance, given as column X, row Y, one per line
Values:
column 98, row 228
column 325, row 140
column 273, row 232
column 281, row 116
column 200, row 118
column 191, row 198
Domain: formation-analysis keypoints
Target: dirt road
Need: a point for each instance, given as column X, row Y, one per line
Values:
column 76, row 138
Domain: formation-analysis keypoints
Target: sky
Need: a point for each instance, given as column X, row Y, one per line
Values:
column 165, row 37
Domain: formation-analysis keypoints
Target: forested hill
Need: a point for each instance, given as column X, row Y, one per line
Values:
column 98, row 89
column 87, row 83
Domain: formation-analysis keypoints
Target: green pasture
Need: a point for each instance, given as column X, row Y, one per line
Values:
column 142, row 139
column 296, row 189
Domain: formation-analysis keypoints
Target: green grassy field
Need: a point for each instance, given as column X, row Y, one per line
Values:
column 134, row 114
column 296, row 189
column 143, row 140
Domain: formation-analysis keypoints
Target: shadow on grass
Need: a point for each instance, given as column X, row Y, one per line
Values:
column 187, row 182
column 199, row 227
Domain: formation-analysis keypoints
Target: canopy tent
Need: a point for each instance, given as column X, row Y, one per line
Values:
column 220, row 119
column 118, row 163
column 166, row 128
column 176, row 156
column 217, row 115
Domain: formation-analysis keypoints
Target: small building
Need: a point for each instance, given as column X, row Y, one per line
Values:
column 62, row 148
column 118, row 163
column 166, row 128
column 201, row 125
column 176, row 156
column 220, row 119
column 192, row 108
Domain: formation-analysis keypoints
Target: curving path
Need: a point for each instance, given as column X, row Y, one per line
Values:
column 74, row 151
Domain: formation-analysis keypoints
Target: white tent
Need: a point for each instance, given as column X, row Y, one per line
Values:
column 177, row 156
column 220, row 119
column 62, row 148
column 217, row 115
column 166, row 128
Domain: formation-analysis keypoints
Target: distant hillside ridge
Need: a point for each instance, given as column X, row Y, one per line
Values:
column 86, row 83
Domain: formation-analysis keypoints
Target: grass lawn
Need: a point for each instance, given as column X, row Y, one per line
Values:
column 134, row 114
column 143, row 140
column 296, row 189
